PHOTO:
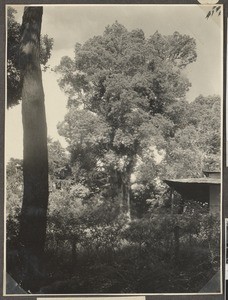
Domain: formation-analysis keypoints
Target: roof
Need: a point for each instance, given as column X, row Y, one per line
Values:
column 194, row 188
column 204, row 180
column 215, row 173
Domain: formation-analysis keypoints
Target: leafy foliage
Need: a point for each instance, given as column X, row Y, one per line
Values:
column 195, row 145
column 14, row 189
column 215, row 10
column 13, row 64
column 128, row 126
column 120, row 86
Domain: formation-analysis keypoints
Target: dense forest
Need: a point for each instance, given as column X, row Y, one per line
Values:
column 111, row 226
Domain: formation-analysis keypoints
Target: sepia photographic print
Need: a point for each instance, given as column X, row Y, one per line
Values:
column 113, row 149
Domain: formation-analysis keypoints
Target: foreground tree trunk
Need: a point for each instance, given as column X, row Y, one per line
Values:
column 35, row 168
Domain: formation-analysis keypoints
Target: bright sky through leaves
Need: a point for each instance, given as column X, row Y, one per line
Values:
column 71, row 24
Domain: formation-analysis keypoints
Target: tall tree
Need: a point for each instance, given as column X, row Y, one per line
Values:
column 121, row 83
column 35, row 160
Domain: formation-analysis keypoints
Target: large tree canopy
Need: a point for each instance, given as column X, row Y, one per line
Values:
column 120, row 87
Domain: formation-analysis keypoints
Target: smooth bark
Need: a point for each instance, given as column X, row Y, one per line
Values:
column 35, row 158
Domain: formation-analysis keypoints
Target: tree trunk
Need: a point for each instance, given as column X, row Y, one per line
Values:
column 35, row 160
column 176, row 243
column 120, row 187
column 126, row 205
column 127, row 185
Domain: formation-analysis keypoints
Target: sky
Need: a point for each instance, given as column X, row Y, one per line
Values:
column 68, row 24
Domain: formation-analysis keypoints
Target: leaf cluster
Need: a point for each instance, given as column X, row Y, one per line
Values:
column 14, row 84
